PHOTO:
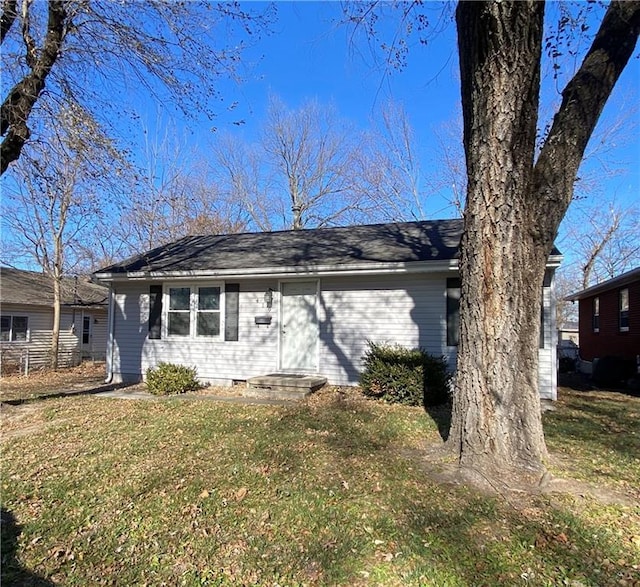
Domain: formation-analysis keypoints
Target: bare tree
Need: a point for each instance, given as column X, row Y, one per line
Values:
column 603, row 240
column 312, row 169
column 310, row 152
column 299, row 174
column 449, row 172
column 57, row 203
column 514, row 207
column 171, row 197
column 83, row 51
column 239, row 169
column 388, row 172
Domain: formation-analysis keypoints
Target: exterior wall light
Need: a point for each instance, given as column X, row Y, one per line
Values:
column 268, row 298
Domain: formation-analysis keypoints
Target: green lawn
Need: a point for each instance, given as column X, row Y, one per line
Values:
column 329, row 492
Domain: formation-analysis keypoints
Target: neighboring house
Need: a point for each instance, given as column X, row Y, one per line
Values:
column 609, row 318
column 26, row 308
column 243, row 305
column 568, row 341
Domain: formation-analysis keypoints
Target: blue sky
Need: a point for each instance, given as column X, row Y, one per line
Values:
column 309, row 56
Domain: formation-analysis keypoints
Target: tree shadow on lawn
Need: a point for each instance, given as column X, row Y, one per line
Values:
column 441, row 415
column 488, row 543
column 13, row 573
column 67, row 393
column 602, row 425
column 439, row 533
column 583, row 382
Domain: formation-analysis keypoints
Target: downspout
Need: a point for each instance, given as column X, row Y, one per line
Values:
column 111, row 322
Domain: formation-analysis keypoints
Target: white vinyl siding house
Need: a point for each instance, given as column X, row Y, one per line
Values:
column 303, row 302
column 131, row 352
column 26, row 298
column 34, row 351
column 351, row 311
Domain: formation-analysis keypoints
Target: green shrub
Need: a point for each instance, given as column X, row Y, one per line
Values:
column 406, row 376
column 167, row 378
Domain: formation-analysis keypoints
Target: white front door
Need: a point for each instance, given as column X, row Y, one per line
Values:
column 299, row 327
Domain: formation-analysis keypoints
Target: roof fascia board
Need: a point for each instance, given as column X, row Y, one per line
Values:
column 316, row 271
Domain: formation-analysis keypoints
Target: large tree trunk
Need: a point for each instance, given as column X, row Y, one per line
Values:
column 496, row 417
column 512, row 215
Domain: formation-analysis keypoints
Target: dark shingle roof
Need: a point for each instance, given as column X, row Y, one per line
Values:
column 352, row 245
column 31, row 288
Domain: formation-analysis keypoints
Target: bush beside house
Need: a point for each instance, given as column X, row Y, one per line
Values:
column 407, row 376
column 170, row 379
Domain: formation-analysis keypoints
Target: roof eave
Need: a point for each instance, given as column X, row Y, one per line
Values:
column 298, row 271
column 620, row 281
column 292, row 271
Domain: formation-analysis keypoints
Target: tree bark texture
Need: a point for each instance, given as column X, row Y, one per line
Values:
column 513, row 210
column 18, row 104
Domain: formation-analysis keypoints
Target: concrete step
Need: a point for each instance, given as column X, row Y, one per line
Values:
column 283, row 385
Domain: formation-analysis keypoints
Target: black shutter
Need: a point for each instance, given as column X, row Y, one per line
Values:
column 155, row 311
column 231, row 307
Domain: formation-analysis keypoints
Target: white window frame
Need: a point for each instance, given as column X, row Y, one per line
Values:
column 12, row 340
column 623, row 307
column 194, row 290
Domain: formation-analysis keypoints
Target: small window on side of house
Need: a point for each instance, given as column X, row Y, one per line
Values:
column 155, row 312
column 453, row 311
column 596, row 315
column 5, row 328
column 624, row 310
column 543, row 323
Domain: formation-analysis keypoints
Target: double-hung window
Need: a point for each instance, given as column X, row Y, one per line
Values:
column 208, row 311
column 14, row 328
column 193, row 311
column 179, row 313
column 624, row 310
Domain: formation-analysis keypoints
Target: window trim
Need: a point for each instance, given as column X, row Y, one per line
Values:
column 27, row 332
column 623, row 312
column 194, row 290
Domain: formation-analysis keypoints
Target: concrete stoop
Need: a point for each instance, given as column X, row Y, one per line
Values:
column 283, row 386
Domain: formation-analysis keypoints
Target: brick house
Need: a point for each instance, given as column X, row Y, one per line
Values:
column 609, row 318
